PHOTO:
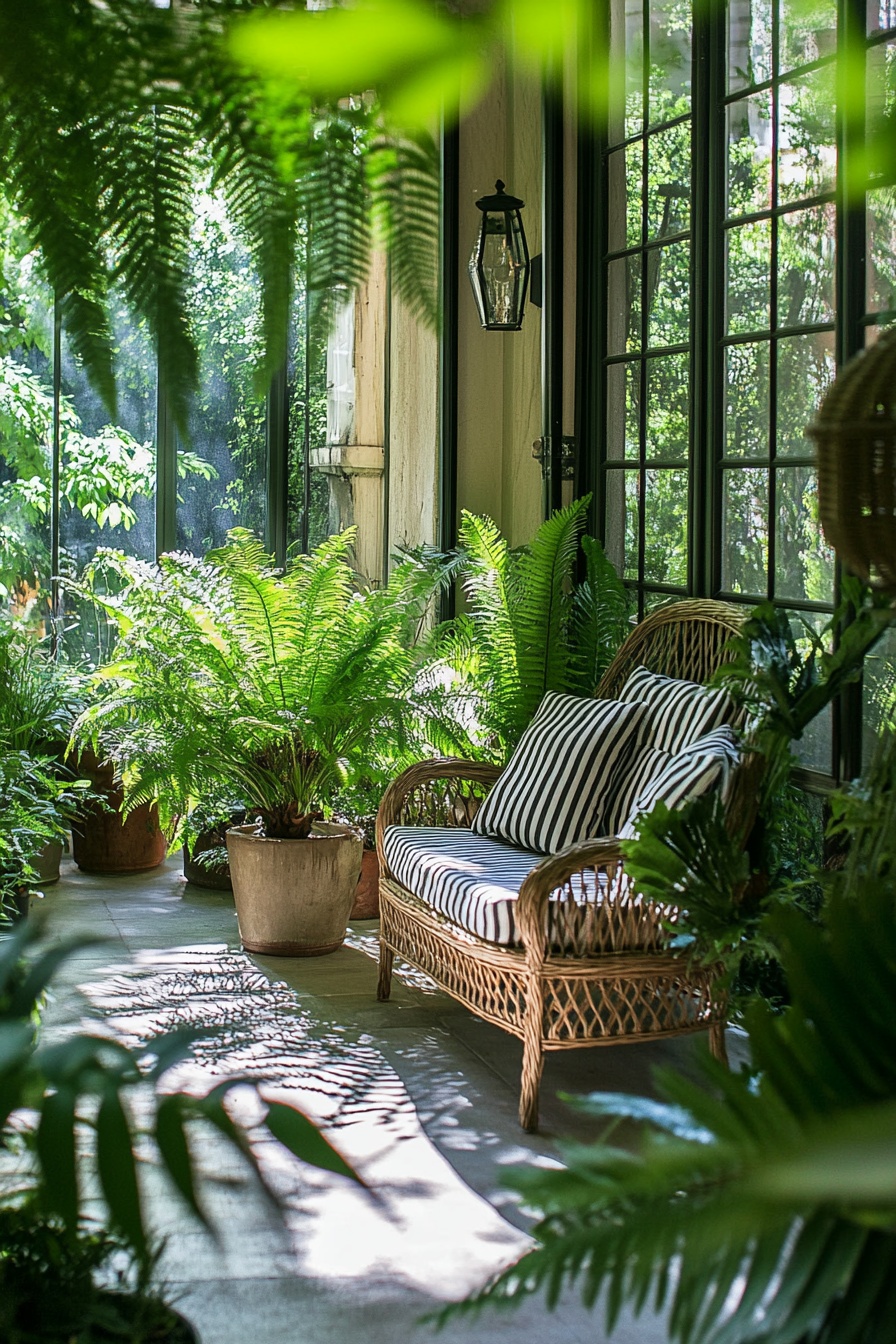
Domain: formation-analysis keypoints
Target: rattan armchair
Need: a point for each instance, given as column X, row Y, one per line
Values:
column 615, row 979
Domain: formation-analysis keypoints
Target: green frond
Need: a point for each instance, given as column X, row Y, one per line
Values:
column 601, row 609
column 403, row 174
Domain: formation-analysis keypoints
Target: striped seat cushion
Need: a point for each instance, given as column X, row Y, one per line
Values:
column 553, row 791
column 473, row 880
column 678, row 712
column 703, row 765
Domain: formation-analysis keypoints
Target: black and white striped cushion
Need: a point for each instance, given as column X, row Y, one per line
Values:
column 678, row 712
column 703, row 765
column 552, row 792
column 472, row 880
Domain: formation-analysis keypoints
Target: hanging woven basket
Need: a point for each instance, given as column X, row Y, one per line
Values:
column 855, row 435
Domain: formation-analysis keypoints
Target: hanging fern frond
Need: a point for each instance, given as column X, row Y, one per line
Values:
column 403, row 173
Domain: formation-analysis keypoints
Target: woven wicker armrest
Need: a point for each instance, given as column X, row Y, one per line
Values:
column 444, row 791
column 579, row 901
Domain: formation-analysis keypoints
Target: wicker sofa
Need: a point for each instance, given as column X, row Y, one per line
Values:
column 581, row 971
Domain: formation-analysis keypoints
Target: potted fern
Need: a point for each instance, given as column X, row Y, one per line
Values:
column 277, row 687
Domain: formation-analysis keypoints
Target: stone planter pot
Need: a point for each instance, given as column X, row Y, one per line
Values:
column 46, row 865
column 293, row 897
column 367, row 892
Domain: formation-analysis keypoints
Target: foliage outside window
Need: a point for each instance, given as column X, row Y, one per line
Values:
column 726, row 258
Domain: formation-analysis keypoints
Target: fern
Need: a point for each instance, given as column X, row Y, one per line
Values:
column 528, row 629
column 230, row 678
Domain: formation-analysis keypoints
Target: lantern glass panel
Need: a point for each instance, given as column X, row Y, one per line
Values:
column 499, row 270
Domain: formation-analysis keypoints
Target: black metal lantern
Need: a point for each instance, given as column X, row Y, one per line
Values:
column 499, row 266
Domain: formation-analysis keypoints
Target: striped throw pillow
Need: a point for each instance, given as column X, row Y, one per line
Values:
column 704, row 765
column 678, row 712
column 553, row 790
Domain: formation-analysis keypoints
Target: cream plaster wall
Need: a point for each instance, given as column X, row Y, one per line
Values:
column 413, row 432
column 499, row 373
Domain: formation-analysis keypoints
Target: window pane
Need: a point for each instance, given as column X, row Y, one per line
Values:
column 747, row 400
column 623, row 411
column 620, row 199
column 26, row 437
column 634, row 181
column 804, row 564
column 749, row 43
column 632, row 522
column 666, row 527
column 108, row 472
column 749, row 155
column 806, row 367
column 808, row 32
column 669, row 181
column 624, row 305
column 626, row 68
column 806, row 266
column 668, row 387
column 879, row 691
column 311, row 396
column 227, row 420
column 880, row 287
column 668, row 294
column 881, row 16
column 814, row 748
column 670, row 60
column 806, row 156
column 749, row 255
column 745, row 530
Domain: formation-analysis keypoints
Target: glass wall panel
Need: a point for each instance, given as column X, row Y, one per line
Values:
column 806, row 266
column 807, row 159
column 749, row 170
column 804, row 564
column 107, row 472
column 806, row 367
column 668, row 407
column 670, row 60
column 668, row 295
column 807, row 32
column 880, row 275
column 747, row 400
column 748, row 287
column 309, row 492
column 666, row 527
column 26, row 431
column 745, row 531
column 749, row 43
column 226, row 433
column 632, row 525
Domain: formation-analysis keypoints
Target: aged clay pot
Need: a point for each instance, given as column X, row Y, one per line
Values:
column 367, row 892
column 293, row 897
column 102, row 843
column 46, row 865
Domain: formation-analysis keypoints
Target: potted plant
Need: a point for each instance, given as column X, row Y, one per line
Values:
column 274, row 686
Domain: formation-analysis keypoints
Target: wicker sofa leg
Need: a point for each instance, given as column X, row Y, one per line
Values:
column 533, row 1064
column 384, row 984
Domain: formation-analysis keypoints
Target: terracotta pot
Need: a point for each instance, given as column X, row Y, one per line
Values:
column 46, row 865
column 367, row 892
column 293, row 897
column 102, row 843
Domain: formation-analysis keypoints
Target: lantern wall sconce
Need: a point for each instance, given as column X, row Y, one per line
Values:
column 500, row 266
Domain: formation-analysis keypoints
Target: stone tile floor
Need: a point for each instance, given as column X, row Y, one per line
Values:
column 417, row 1093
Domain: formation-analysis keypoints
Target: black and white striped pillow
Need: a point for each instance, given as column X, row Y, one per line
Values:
column 678, row 712
column 553, row 791
column 703, row 765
